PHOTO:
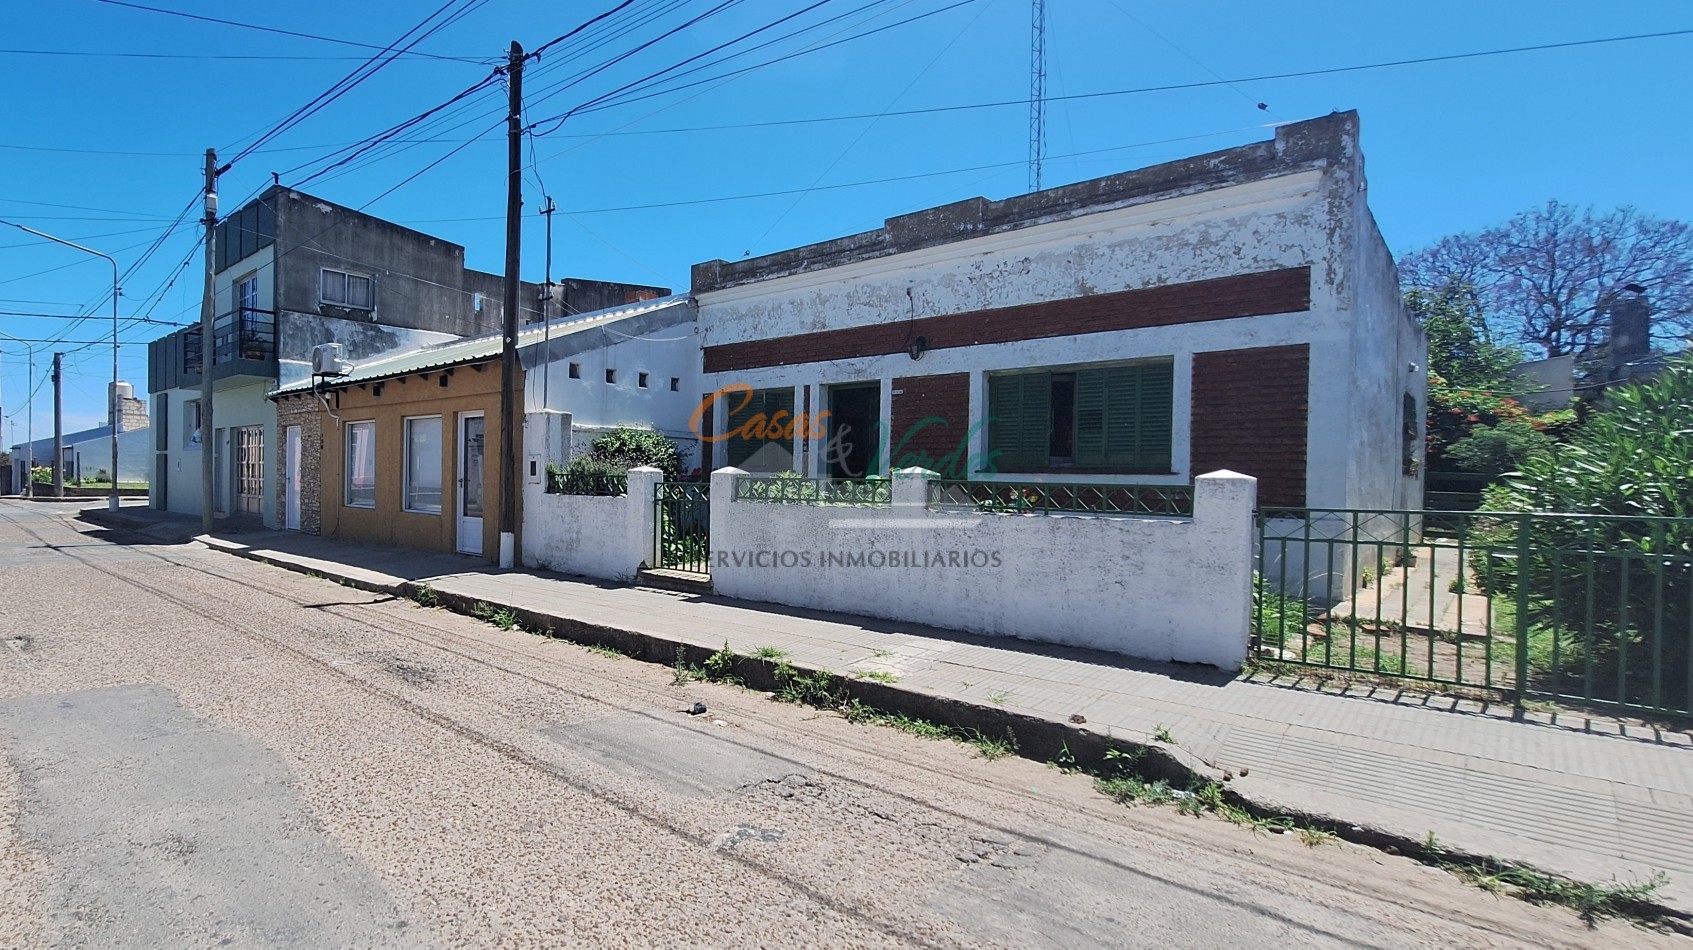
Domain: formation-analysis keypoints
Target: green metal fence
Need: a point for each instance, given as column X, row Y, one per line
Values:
column 1059, row 497
column 793, row 490
column 683, row 525
column 1588, row 609
column 579, row 483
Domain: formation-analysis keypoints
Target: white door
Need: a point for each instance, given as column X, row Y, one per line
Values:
column 291, row 485
column 470, row 483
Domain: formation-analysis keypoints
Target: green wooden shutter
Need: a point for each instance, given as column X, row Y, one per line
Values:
column 1123, row 416
column 1153, row 411
column 766, row 402
column 1020, row 421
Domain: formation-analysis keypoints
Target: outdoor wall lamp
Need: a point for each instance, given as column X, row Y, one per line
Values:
column 916, row 348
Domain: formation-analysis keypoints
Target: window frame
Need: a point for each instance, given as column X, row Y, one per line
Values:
column 407, row 468
column 347, row 464
column 192, row 420
column 1079, row 462
column 347, row 277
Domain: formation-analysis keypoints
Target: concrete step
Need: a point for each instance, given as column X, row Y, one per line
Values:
column 687, row 582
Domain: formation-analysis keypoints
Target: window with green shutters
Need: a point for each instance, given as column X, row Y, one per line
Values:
column 1117, row 418
column 746, row 441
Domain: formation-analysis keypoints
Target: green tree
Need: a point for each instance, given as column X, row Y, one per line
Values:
column 1460, row 346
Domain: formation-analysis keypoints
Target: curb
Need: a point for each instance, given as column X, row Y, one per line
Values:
column 1038, row 739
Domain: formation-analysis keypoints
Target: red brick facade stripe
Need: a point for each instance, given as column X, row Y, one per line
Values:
column 931, row 423
column 1224, row 298
column 1250, row 415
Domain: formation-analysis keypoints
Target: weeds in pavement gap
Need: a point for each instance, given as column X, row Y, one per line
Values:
column 604, row 650
column 1592, row 902
column 1120, row 778
column 426, row 596
column 682, row 673
column 770, row 653
column 880, row 676
column 482, row 610
column 999, row 698
column 1162, row 734
column 505, row 618
column 720, row 666
column 990, row 747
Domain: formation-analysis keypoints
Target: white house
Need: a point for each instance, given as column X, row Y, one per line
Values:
column 1237, row 310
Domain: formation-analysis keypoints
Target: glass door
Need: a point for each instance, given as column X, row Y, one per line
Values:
column 470, row 483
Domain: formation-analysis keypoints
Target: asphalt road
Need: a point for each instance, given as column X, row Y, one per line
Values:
column 205, row 751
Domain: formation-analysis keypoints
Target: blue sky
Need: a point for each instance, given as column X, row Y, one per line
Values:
column 106, row 150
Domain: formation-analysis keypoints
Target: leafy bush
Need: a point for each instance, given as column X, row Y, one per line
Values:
column 1495, row 450
column 627, row 447
column 41, row 474
column 1626, row 576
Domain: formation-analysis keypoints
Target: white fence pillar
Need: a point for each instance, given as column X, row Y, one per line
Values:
column 911, row 488
column 722, row 508
column 643, row 517
column 1223, row 503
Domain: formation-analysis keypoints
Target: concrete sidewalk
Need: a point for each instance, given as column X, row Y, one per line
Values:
column 1595, row 799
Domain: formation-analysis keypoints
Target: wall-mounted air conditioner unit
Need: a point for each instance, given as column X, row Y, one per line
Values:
column 327, row 361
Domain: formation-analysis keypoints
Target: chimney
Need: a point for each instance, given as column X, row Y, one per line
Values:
column 1631, row 323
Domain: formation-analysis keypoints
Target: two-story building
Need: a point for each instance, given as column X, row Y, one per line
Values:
column 293, row 271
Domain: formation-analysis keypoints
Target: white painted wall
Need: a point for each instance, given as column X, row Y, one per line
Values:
column 1359, row 338
column 604, row 537
column 236, row 405
column 1157, row 589
column 596, row 406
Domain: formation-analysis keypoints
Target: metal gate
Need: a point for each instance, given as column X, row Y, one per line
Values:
column 249, row 470
column 683, row 525
column 1588, row 609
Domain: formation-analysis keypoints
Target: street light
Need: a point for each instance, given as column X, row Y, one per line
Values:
column 112, row 402
column 29, row 413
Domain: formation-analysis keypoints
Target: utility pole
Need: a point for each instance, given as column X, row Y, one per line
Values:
column 112, row 402
column 58, row 427
column 546, row 304
column 208, row 463
column 511, row 477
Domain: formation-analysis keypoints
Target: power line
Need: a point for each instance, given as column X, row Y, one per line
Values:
column 1171, row 87
column 770, row 62
column 77, row 316
column 177, row 56
column 359, row 74
column 277, row 30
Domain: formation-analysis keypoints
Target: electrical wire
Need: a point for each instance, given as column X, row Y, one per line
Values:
column 359, row 74
column 277, row 30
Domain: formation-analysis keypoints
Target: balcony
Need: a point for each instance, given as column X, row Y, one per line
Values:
column 244, row 334
column 193, row 354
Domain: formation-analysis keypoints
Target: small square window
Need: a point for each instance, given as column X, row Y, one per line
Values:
column 675, row 384
column 611, row 376
column 575, row 370
column 641, row 380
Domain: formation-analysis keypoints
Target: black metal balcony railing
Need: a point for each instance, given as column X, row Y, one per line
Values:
column 193, row 354
column 244, row 334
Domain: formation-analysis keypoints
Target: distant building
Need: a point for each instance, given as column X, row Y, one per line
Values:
column 88, row 452
column 1545, row 385
column 293, row 271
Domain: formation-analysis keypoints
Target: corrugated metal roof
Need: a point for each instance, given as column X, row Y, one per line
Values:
column 472, row 349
